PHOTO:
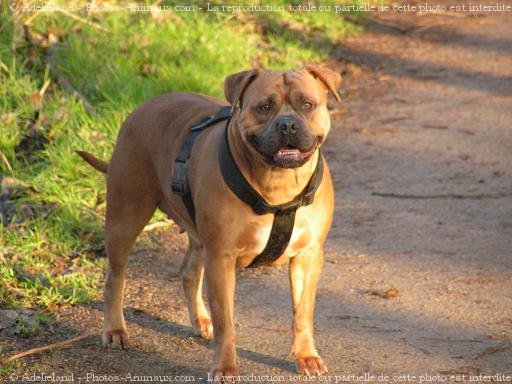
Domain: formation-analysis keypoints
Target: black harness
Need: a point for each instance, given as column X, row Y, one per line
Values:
column 179, row 182
column 284, row 214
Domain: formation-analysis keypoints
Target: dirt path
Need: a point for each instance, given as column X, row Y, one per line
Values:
column 421, row 153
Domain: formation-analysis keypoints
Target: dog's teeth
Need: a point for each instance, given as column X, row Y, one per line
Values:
column 288, row 151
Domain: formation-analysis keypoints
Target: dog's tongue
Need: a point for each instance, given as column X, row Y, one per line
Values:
column 290, row 154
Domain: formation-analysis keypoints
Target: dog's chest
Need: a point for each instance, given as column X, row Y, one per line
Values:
column 252, row 240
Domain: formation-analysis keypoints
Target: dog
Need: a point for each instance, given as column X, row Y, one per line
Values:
column 279, row 120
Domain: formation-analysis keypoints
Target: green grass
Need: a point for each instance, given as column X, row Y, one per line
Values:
column 55, row 202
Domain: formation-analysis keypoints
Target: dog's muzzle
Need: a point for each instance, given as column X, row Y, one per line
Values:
column 285, row 142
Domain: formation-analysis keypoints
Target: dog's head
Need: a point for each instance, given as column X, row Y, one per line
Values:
column 283, row 115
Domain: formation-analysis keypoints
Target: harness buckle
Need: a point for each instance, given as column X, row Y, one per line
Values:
column 179, row 182
column 261, row 207
column 291, row 205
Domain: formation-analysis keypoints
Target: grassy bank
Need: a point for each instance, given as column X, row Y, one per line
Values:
column 67, row 81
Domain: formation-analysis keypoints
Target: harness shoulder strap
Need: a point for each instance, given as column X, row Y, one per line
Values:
column 179, row 182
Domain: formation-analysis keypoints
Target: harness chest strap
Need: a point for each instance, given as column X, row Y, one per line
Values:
column 284, row 214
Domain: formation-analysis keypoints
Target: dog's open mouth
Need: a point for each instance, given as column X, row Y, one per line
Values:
column 291, row 157
column 290, row 154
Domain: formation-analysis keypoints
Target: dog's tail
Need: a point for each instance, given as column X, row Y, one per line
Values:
column 100, row 165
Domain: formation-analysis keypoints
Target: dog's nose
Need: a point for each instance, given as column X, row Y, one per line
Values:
column 287, row 126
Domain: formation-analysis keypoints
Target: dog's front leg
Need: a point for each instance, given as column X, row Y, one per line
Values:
column 304, row 273
column 220, row 282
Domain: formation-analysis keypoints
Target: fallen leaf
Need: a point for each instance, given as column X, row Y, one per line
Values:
column 501, row 336
column 148, row 69
column 35, row 99
column 390, row 293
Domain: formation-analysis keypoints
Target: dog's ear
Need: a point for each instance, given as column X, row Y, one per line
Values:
column 235, row 85
column 330, row 79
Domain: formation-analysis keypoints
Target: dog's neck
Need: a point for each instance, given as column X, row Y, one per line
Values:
column 276, row 185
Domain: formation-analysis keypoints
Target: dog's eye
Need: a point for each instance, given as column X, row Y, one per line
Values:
column 265, row 107
column 307, row 106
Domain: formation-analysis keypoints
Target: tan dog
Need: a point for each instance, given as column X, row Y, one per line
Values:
column 274, row 138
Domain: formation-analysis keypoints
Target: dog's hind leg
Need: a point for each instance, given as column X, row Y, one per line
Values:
column 192, row 272
column 131, row 202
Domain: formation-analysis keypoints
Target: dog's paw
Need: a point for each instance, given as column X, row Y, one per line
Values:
column 310, row 365
column 115, row 339
column 204, row 328
column 223, row 375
